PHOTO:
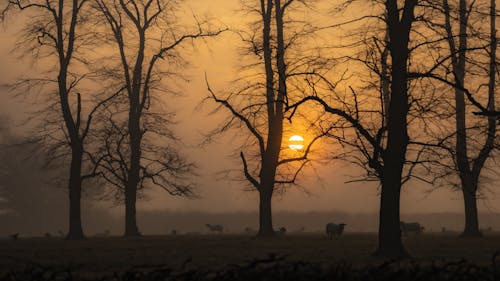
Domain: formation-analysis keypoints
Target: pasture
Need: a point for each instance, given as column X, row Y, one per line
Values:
column 106, row 255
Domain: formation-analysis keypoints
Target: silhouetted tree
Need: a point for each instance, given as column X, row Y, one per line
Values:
column 386, row 153
column 143, row 34
column 399, row 25
column 56, row 31
column 161, row 164
column 484, row 110
column 469, row 168
column 470, row 58
column 259, row 107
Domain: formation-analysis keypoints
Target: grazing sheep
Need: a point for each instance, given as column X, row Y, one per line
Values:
column 14, row 236
column 334, row 230
column 215, row 227
column 407, row 227
column 282, row 230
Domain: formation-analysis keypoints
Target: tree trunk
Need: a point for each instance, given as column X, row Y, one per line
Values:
column 462, row 158
column 470, row 181
column 75, row 194
column 75, row 174
column 131, row 228
column 471, row 228
column 265, row 213
column 270, row 156
column 268, row 59
column 385, row 81
column 390, row 244
column 389, row 239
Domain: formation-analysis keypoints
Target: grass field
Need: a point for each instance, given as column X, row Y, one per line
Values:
column 97, row 256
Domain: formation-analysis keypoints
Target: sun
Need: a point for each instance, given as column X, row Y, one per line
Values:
column 296, row 142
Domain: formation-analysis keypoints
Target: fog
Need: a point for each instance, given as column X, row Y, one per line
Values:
column 324, row 195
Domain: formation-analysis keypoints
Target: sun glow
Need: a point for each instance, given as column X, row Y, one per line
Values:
column 296, row 142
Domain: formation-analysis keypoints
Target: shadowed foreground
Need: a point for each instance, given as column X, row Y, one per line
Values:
column 238, row 257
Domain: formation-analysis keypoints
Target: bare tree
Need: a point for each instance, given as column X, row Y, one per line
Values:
column 384, row 146
column 161, row 164
column 470, row 57
column 144, row 33
column 259, row 107
column 458, row 64
column 56, row 31
column 469, row 168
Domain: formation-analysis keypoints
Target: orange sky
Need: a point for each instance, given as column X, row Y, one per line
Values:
column 219, row 61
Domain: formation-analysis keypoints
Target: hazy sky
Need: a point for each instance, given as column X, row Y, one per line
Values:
column 219, row 62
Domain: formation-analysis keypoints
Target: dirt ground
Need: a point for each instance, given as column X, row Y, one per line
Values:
column 115, row 254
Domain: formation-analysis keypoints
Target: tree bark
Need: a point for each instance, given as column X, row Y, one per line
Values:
column 389, row 241
column 390, row 244
column 135, row 135
column 75, row 191
column 471, row 228
column 265, row 213
column 131, row 229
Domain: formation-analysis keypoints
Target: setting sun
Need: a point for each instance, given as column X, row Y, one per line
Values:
column 296, row 142
column 216, row 138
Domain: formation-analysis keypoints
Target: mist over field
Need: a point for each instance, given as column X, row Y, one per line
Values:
column 188, row 222
column 249, row 140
